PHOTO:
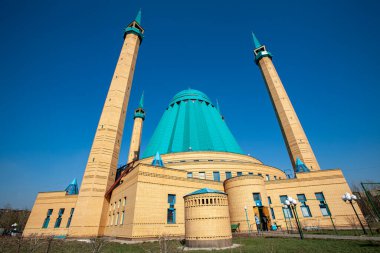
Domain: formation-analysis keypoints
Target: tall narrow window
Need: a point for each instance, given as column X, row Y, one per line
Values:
column 116, row 219
column 122, row 218
column 275, row 177
column 269, row 201
column 202, row 175
column 272, row 213
column 257, row 199
column 171, row 215
column 125, row 201
column 267, row 177
column 59, row 219
column 239, row 173
column 216, row 176
column 189, row 174
column 119, row 203
column 304, row 207
column 47, row 219
column 70, row 218
column 228, row 174
column 322, row 204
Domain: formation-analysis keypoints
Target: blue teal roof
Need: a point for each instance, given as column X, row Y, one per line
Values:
column 157, row 160
column 300, row 166
column 72, row 188
column 191, row 123
column 205, row 190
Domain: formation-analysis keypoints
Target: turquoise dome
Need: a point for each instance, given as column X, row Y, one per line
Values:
column 191, row 123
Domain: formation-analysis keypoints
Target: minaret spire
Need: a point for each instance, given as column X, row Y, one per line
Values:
column 134, row 146
column 260, row 51
column 256, row 41
column 297, row 144
column 138, row 17
column 141, row 103
column 135, row 27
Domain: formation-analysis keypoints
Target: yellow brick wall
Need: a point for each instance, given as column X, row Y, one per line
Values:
column 146, row 190
column 151, row 201
column 207, row 217
column 333, row 185
column 222, row 162
column 240, row 195
column 126, row 190
column 45, row 201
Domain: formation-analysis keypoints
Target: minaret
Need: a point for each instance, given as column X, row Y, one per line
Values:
column 295, row 138
column 134, row 147
column 90, row 211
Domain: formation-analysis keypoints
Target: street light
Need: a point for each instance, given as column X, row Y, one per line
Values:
column 246, row 217
column 292, row 203
column 347, row 197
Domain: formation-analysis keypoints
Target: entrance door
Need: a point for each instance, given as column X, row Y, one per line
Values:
column 262, row 211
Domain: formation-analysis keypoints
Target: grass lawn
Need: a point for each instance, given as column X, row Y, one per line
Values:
column 248, row 245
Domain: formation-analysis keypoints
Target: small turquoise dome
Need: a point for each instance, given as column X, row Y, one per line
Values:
column 191, row 123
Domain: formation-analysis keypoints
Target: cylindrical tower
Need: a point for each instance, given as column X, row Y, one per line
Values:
column 295, row 138
column 207, row 221
column 134, row 147
column 90, row 211
column 247, row 197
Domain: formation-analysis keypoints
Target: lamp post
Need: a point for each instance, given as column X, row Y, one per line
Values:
column 347, row 197
column 292, row 203
column 246, row 217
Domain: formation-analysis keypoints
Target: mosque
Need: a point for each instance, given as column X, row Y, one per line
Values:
column 193, row 180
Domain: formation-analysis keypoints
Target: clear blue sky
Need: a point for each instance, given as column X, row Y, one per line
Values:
column 57, row 59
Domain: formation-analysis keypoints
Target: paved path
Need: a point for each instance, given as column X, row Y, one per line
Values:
column 318, row 236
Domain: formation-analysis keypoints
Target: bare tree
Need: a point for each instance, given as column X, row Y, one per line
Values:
column 6, row 217
column 5, row 243
column 97, row 244
column 22, row 218
column 168, row 245
column 34, row 242
column 9, row 216
column 19, row 243
column 49, row 241
column 352, row 220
